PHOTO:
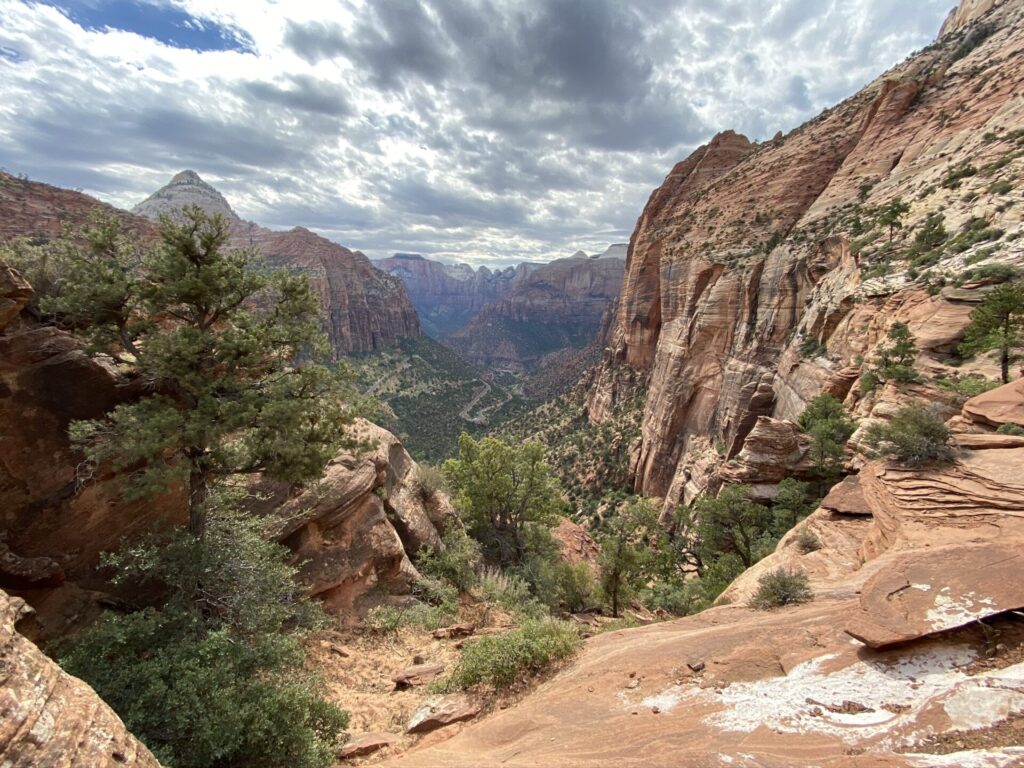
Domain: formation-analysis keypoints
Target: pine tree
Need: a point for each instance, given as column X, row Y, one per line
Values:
column 226, row 351
column 997, row 323
column 891, row 215
column 626, row 551
column 896, row 360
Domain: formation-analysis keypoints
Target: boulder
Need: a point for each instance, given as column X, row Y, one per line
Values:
column 1002, row 405
column 51, row 718
column 441, row 710
column 937, row 590
column 417, row 674
column 454, row 631
column 577, row 545
column 366, row 744
column 847, row 498
column 14, row 294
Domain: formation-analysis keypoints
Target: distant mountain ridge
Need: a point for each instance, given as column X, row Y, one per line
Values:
column 365, row 309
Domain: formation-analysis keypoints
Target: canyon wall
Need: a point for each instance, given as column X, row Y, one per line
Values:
column 448, row 296
column 749, row 250
column 557, row 306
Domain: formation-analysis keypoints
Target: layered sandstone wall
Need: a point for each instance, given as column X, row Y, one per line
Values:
column 745, row 250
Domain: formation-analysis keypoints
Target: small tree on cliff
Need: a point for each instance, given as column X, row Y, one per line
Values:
column 216, row 342
column 501, row 490
column 626, row 551
column 997, row 323
column 891, row 215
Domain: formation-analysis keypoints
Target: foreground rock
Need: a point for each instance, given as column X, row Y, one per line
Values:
column 937, row 590
column 417, row 674
column 439, row 711
column 50, row 718
column 1002, row 405
column 366, row 744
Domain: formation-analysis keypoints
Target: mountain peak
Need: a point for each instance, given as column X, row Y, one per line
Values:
column 185, row 188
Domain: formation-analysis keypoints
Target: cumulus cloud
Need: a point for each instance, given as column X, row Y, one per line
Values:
column 490, row 131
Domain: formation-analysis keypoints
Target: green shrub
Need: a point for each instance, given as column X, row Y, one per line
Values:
column 915, row 435
column 212, row 676
column 868, row 383
column 1000, row 273
column 456, row 563
column 1010, row 429
column 781, row 587
column 957, row 174
column 807, row 541
column 575, row 586
column 508, row 591
column 677, row 598
column 974, row 37
column 967, row 386
column 388, row 619
column 810, row 347
column 500, row 661
column 428, row 481
column 1001, row 187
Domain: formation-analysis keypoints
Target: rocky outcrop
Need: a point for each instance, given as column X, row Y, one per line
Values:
column 555, row 307
column 56, row 522
column 938, row 548
column 50, row 719
column 773, row 450
column 448, row 296
column 364, row 309
column 353, row 533
column 1002, row 405
column 747, row 291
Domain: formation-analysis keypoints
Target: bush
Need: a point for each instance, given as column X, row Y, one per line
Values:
column 212, row 677
column 997, row 272
column 915, row 435
column 1001, row 187
column 807, row 541
column 509, row 592
column 810, row 347
column 456, row 563
column 428, row 481
column 388, row 619
column 501, row 660
column 868, row 383
column 1010, row 429
column 781, row 587
column 575, row 586
column 967, row 386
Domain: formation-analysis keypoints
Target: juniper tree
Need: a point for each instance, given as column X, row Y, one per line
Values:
column 226, row 352
column 997, row 323
column 626, row 551
column 891, row 215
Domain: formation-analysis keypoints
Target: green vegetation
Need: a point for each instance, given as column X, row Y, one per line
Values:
column 590, row 460
column 975, row 230
column 210, row 672
column 229, row 401
column 825, row 420
column 1010, row 429
column 506, row 496
column 955, row 176
column 779, row 588
column 975, row 36
column 431, row 395
column 891, row 215
column 915, row 435
column 807, row 541
column 499, row 661
column 895, row 361
column 1001, row 187
column 810, row 347
column 997, row 324
column 625, row 550
column 208, row 669
column 966, row 387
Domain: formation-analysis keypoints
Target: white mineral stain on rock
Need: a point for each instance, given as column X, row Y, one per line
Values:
column 987, row 699
column 949, row 611
column 781, row 703
column 972, row 758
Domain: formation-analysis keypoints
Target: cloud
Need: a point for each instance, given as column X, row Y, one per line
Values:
column 490, row 131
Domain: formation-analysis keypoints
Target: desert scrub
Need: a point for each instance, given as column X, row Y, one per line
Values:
column 501, row 660
column 781, row 587
column 915, row 435
column 1010, row 429
column 807, row 541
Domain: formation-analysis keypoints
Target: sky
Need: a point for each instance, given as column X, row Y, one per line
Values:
column 485, row 131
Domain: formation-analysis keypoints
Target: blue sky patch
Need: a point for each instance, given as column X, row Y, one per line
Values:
column 157, row 20
column 11, row 54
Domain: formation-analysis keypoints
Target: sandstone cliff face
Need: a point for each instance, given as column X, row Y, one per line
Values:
column 51, row 719
column 448, row 296
column 884, row 668
column 364, row 308
column 745, row 251
column 559, row 305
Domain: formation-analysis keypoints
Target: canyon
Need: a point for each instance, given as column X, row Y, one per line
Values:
column 759, row 276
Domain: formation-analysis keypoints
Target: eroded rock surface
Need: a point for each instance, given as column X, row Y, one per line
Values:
column 49, row 718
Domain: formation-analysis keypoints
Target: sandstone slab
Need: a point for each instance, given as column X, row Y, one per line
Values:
column 1002, row 405
column 366, row 744
column 847, row 498
column 439, row 711
column 417, row 674
column 454, row 631
column 937, row 590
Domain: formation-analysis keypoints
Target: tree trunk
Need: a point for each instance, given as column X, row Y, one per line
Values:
column 1004, row 364
column 198, row 492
